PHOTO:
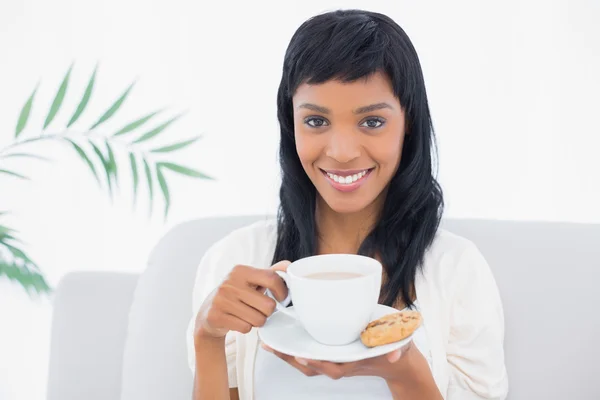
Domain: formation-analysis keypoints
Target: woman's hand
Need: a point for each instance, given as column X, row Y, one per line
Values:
column 240, row 302
column 388, row 366
column 405, row 370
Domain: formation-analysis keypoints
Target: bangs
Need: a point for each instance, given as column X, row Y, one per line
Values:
column 349, row 46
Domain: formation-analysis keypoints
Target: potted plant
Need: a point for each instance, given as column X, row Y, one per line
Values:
column 148, row 164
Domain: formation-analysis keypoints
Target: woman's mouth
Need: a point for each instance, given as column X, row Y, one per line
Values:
column 347, row 181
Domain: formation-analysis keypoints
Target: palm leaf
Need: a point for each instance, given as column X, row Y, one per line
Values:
column 5, row 231
column 25, row 155
column 28, row 279
column 19, row 254
column 84, row 100
column 176, row 146
column 183, row 170
column 16, row 175
column 25, row 111
column 112, row 163
column 58, row 99
column 157, row 130
column 104, row 162
column 135, row 175
column 164, row 188
column 136, row 124
column 114, row 108
column 85, row 158
column 149, row 177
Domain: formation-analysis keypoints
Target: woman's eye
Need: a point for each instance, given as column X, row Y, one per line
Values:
column 373, row 123
column 316, row 122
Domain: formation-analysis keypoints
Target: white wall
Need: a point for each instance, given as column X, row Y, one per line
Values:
column 513, row 89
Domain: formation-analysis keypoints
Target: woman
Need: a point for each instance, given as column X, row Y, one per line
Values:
column 355, row 154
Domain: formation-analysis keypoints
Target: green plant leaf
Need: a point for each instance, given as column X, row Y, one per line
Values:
column 19, row 254
column 7, row 236
column 176, row 146
column 85, row 99
column 16, row 252
column 149, row 177
column 157, row 130
column 136, row 124
column 184, row 170
column 58, row 99
column 114, row 108
column 135, row 175
column 5, row 230
column 84, row 157
column 105, row 165
column 25, row 111
column 25, row 155
column 112, row 163
column 29, row 280
column 164, row 188
column 16, row 175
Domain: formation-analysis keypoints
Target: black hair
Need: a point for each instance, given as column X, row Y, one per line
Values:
column 348, row 45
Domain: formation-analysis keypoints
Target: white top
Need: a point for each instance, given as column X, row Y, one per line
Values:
column 458, row 298
column 274, row 379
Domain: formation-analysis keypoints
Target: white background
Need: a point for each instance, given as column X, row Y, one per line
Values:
column 513, row 88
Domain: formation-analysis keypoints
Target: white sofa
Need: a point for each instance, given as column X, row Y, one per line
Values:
column 122, row 336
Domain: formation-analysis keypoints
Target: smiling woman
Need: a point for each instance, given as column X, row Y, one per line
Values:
column 349, row 136
column 356, row 154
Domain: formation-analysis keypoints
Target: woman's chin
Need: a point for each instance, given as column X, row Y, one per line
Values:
column 345, row 207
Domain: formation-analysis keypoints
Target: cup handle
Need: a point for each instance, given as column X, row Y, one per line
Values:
column 282, row 306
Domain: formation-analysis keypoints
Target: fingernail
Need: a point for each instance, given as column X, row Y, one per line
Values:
column 301, row 361
column 264, row 346
column 395, row 356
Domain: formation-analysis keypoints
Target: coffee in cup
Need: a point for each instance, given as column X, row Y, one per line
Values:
column 334, row 295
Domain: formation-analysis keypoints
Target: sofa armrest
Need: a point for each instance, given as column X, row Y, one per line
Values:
column 89, row 328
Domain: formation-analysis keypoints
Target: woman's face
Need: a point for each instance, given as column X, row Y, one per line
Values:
column 349, row 138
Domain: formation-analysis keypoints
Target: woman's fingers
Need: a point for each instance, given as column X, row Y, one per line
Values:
column 257, row 300
column 332, row 370
column 232, row 323
column 292, row 361
column 260, row 278
column 394, row 356
column 243, row 311
column 239, row 297
column 281, row 266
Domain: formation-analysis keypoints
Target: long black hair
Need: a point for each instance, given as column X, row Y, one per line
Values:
column 348, row 45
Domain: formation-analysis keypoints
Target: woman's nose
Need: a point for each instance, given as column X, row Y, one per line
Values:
column 343, row 147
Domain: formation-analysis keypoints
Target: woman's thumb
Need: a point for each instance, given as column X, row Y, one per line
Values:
column 281, row 266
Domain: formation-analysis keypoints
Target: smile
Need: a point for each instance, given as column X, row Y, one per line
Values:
column 347, row 181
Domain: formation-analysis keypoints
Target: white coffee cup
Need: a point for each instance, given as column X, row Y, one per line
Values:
column 333, row 311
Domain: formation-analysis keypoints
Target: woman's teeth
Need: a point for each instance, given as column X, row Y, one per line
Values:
column 347, row 179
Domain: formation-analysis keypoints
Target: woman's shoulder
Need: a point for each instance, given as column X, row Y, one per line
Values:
column 446, row 242
column 451, row 257
column 255, row 233
column 250, row 244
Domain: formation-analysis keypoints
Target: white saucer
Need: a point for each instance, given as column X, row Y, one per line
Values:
column 286, row 335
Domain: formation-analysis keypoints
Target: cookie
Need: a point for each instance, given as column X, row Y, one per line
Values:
column 391, row 328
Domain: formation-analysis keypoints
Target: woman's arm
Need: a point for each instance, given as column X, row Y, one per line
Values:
column 210, row 380
column 416, row 381
column 234, row 394
column 475, row 349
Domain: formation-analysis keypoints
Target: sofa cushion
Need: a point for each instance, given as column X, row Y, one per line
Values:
column 155, row 358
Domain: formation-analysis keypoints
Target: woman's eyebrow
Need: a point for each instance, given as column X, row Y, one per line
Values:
column 372, row 107
column 361, row 110
column 314, row 107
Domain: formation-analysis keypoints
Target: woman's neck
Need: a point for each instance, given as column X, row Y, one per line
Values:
column 343, row 233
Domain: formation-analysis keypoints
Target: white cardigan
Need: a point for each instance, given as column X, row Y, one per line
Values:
column 457, row 295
